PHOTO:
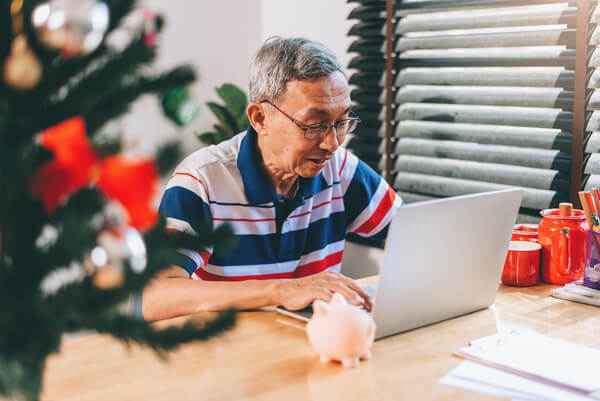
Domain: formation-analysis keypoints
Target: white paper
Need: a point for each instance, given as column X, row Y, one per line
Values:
column 531, row 353
column 476, row 377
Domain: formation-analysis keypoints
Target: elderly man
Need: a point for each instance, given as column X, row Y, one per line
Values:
column 287, row 188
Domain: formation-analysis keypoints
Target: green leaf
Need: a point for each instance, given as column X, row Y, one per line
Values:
column 222, row 134
column 209, row 138
column 243, row 122
column 235, row 99
column 227, row 120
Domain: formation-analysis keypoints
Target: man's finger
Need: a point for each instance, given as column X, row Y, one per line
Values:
column 321, row 293
column 347, row 292
column 368, row 302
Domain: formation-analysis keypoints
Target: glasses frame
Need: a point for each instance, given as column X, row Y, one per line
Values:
column 306, row 127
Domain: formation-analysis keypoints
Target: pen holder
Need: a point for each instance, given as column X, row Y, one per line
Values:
column 591, row 275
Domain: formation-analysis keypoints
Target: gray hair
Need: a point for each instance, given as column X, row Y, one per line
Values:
column 281, row 60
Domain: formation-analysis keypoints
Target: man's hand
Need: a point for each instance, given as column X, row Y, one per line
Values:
column 294, row 294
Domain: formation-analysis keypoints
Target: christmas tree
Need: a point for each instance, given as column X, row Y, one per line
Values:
column 68, row 200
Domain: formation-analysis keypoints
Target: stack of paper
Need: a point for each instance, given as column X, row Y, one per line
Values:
column 529, row 366
column 578, row 292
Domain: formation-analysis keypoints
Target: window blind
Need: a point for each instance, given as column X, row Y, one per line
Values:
column 483, row 94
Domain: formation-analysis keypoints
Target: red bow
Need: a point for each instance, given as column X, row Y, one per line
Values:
column 133, row 183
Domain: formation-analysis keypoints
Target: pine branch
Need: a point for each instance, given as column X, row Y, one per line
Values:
column 118, row 9
column 116, row 103
column 77, row 234
column 84, row 91
column 167, row 157
column 163, row 246
column 131, row 329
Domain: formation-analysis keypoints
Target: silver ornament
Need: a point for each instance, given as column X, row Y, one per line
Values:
column 115, row 247
column 75, row 27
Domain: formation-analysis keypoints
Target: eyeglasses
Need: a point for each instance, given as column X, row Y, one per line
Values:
column 318, row 131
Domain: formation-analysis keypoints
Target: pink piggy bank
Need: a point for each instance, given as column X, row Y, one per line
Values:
column 339, row 331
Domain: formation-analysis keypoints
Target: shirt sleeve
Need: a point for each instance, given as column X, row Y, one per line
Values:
column 185, row 204
column 369, row 201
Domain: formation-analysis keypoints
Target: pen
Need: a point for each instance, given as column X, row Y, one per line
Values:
column 593, row 210
column 586, row 209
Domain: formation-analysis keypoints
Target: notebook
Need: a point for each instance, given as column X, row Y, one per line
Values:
column 541, row 358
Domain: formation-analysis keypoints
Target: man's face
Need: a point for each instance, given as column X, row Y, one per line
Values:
column 320, row 100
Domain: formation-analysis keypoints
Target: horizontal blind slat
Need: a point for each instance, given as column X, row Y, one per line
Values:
column 486, row 172
column 543, row 14
column 493, row 76
column 498, row 115
column 487, row 95
column 425, row 184
column 543, row 138
column 529, row 157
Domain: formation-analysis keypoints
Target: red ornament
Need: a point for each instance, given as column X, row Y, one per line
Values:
column 149, row 27
column 132, row 183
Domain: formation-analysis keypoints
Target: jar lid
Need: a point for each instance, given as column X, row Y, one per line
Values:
column 576, row 214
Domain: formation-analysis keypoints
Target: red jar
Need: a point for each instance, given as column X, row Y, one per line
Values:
column 563, row 241
column 525, row 232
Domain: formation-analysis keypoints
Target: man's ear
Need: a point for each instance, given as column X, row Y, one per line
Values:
column 256, row 115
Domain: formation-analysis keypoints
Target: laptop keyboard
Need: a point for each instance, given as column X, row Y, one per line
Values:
column 371, row 290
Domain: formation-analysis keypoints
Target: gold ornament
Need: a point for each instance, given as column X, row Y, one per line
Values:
column 22, row 69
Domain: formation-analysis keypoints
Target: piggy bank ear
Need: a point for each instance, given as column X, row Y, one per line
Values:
column 320, row 308
column 338, row 299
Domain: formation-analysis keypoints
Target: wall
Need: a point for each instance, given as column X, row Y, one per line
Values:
column 320, row 20
column 219, row 38
column 219, row 41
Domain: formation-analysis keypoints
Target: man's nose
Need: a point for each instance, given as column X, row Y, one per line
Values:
column 331, row 141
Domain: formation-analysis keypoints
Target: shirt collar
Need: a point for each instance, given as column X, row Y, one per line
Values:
column 257, row 186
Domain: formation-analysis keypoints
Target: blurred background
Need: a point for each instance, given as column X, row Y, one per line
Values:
column 219, row 42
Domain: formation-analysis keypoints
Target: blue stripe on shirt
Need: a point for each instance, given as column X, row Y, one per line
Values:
column 360, row 191
column 183, row 204
column 186, row 262
column 262, row 249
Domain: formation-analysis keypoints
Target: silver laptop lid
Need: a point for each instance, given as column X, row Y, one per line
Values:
column 443, row 258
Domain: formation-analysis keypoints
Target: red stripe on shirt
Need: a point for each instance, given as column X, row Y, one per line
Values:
column 316, row 207
column 301, row 271
column 205, row 255
column 382, row 209
column 343, row 163
column 189, row 175
column 204, row 275
column 251, row 220
column 319, row 265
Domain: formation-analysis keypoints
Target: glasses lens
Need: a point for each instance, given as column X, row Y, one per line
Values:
column 346, row 126
column 316, row 131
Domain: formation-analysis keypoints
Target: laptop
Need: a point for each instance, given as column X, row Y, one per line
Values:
column 443, row 258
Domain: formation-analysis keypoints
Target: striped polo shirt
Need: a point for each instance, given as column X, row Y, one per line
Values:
column 277, row 237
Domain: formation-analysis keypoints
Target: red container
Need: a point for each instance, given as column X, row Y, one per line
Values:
column 563, row 241
column 522, row 265
column 525, row 232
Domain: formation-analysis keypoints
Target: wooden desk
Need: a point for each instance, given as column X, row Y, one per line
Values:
column 267, row 357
